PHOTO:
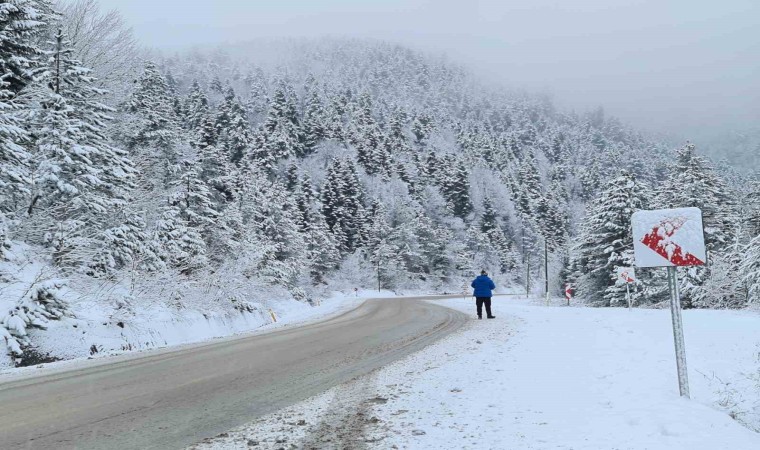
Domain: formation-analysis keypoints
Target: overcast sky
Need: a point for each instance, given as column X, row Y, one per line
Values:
column 676, row 66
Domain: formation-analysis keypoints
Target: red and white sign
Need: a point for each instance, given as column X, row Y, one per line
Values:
column 568, row 293
column 626, row 274
column 668, row 237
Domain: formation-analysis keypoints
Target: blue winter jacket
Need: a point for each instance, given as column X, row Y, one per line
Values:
column 483, row 286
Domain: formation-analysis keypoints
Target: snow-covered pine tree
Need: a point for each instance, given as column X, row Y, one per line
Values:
column 20, row 24
column 193, row 198
column 182, row 245
column 693, row 183
column 229, row 107
column 313, row 122
column 606, row 242
column 374, row 227
column 478, row 253
column 196, row 106
column 333, row 122
column 215, row 166
column 456, row 189
column 282, row 130
column 73, row 163
column 238, row 139
column 232, row 127
column 396, row 140
column 752, row 207
column 529, row 187
column 749, row 270
column 216, row 85
column 307, row 188
column 490, row 227
column 260, row 155
column 276, row 228
column 153, row 120
column 206, row 133
column 422, row 126
column 724, row 288
column 488, row 220
column 550, row 215
column 258, row 97
column 434, row 247
column 324, row 254
column 342, row 203
column 367, row 138
column 127, row 246
column 292, row 181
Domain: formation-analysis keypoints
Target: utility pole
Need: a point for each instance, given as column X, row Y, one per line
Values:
column 527, row 274
column 546, row 270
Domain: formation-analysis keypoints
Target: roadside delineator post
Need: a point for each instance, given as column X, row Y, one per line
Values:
column 671, row 238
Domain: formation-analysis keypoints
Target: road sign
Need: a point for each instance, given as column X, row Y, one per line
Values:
column 668, row 237
column 568, row 293
column 671, row 238
column 626, row 274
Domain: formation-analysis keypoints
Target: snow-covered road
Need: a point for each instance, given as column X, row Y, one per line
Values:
column 542, row 378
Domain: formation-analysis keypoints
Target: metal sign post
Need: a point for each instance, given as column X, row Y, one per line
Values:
column 675, row 313
column 671, row 238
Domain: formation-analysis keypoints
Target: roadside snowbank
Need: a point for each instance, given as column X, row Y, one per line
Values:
column 45, row 317
column 543, row 377
column 93, row 334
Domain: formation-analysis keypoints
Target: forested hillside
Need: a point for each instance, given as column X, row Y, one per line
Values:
column 209, row 178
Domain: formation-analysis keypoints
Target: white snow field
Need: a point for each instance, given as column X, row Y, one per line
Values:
column 542, row 377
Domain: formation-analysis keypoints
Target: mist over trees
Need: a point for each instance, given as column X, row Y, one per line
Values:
column 325, row 164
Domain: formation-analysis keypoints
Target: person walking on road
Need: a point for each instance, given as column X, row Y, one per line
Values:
column 483, row 287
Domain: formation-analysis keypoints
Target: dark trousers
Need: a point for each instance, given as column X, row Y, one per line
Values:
column 479, row 301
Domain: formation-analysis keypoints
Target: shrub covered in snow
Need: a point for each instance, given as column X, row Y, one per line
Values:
column 30, row 297
column 41, row 304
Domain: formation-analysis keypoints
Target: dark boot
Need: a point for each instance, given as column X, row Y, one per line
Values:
column 487, row 302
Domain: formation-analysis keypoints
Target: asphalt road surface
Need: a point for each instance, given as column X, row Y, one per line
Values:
column 171, row 399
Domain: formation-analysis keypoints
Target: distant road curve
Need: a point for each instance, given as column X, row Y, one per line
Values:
column 171, row 399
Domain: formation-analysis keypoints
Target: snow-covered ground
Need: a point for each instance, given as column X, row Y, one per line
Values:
column 542, row 377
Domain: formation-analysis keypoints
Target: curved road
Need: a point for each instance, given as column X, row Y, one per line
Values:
column 171, row 399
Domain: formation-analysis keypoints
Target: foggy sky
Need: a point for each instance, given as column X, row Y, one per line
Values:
column 673, row 66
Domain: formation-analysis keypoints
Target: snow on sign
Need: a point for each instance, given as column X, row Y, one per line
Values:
column 626, row 274
column 668, row 237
